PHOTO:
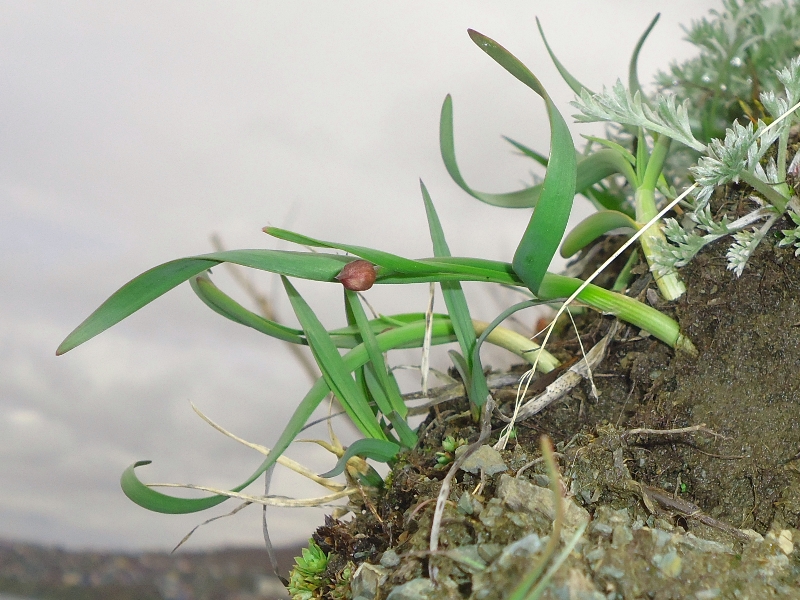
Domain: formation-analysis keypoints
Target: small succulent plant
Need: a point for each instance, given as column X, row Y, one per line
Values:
column 305, row 580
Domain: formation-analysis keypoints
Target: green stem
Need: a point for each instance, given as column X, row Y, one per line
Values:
column 519, row 345
column 627, row 309
column 773, row 196
column 553, row 287
column 670, row 284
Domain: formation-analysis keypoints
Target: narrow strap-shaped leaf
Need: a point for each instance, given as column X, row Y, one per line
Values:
column 453, row 295
column 633, row 71
column 380, row 450
column 156, row 501
column 226, row 306
column 575, row 85
column 520, row 199
column 549, row 221
column 597, row 166
column 376, row 391
column 476, row 360
column 332, row 367
column 155, row 282
column 529, row 152
column 387, row 390
column 591, row 168
column 359, row 374
column 324, row 267
column 378, row 257
column 407, row 435
column 592, row 227
column 397, row 269
column 618, row 148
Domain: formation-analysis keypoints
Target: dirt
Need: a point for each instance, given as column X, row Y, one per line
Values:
column 710, row 513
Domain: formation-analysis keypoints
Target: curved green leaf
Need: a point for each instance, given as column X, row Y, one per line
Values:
column 549, row 221
column 597, row 166
column 618, row 148
column 157, row 281
column 633, row 76
column 575, row 85
column 602, row 199
column 150, row 499
column 224, row 305
column 397, row 269
column 590, row 169
column 385, row 391
column 343, row 337
column 520, row 199
column 324, row 267
column 481, row 388
column 380, row 450
column 529, row 152
column 592, row 227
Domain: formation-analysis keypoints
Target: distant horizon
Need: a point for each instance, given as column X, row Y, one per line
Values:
column 185, row 549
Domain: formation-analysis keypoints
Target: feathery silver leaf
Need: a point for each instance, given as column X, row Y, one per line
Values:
column 619, row 106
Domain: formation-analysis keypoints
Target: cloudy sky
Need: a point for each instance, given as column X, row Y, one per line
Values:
column 133, row 131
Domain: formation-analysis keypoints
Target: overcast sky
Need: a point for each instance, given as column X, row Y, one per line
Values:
column 132, row 131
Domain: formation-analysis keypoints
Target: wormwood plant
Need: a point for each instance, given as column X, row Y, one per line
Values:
column 740, row 157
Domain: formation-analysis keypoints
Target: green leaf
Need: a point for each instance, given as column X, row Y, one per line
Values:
column 155, row 282
column 575, row 85
column 520, row 199
column 590, row 169
column 619, row 149
column 633, row 76
column 387, row 396
column 592, row 227
column 602, row 199
column 476, row 361
column 454, row 297
column 163, row 503
column 226, row 306
column 380, row 450
column 529, row 152
column 324, row 267
column 407, row 435
column 549, row 221
column 377, row 257
column 396, row 269
column 332, row 367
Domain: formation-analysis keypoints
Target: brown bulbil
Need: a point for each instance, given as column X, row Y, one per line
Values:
column 358, row 276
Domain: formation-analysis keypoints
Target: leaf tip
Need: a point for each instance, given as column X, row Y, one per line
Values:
column 478, row 37
column 65, row 346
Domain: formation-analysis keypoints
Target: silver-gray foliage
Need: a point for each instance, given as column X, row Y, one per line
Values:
column 741, row 156
column 620, row 106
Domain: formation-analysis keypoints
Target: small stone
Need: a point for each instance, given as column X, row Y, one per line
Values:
column 622, row 536
column 367, row 579
column 465, row 504
column 670, row 563
column 484, row 458
column 390, row 559
column 523, row 496
column 783, row 539
column 416, row 589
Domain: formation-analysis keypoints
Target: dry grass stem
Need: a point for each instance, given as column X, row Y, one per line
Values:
column 283, row 460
